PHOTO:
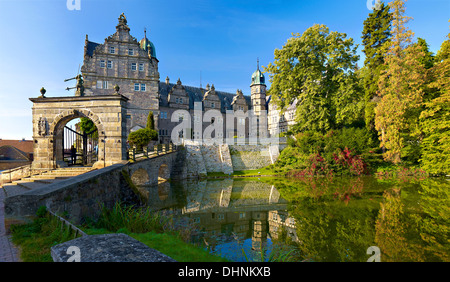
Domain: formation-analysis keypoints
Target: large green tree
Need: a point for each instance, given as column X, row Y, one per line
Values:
column 435, row 118
column 375, row 36
column 400, row 90
column 317, row 68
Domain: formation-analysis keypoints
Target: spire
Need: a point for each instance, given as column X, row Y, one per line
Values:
column 257, row 63
column 145, row 32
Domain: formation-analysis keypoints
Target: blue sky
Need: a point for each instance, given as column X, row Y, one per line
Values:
column 42, row 41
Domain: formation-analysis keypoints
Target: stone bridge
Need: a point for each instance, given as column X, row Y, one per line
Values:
column 80, row 196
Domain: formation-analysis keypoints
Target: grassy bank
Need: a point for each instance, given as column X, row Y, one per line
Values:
column 36, row 238
column 157, row 231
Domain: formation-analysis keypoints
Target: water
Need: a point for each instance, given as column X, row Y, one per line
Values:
column 335, row 219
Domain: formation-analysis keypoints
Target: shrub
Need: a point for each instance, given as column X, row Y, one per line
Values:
column 142, row 137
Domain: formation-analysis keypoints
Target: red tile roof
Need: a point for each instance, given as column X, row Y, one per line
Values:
column 23, row 145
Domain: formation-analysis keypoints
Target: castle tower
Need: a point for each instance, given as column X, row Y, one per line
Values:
column 258, row 91
column 258, row 127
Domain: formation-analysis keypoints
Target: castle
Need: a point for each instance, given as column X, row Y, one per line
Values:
column 133, row 66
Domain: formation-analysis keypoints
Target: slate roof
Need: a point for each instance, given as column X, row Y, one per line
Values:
column 91, row 47
column 196, row 95
column 9, row 153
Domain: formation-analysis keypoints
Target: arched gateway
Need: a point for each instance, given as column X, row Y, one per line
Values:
column 51, row 114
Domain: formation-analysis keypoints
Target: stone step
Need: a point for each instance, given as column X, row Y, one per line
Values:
column 62, row 173
column 45, row 176
column 29, row 185
column 13, row 189
column 32, row 179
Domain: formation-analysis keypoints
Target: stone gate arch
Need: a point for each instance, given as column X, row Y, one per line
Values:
column 50, row 114
column 57, row 127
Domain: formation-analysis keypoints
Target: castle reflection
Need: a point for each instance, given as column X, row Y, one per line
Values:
column 226, row 210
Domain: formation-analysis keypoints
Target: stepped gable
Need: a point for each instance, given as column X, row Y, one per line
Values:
column 196, row 94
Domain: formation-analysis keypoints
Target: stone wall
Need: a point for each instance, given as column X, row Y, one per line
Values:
column 10, row 175
column 247, row 157
column 82, row 195
column 201, row 159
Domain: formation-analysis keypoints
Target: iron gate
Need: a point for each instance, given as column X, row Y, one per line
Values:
column 80, row 148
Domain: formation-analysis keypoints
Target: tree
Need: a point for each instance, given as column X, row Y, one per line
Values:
column 435, row 118
column 150, row 121
column 317, row 68
column 375, row 36
column 400, row 92
column 88, row 126
column 141, row 137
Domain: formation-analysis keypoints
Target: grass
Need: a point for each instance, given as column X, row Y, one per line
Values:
column 36, row 238
column 252, row 172
column 255, row 172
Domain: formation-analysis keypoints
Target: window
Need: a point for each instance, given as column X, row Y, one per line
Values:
column 163, row 115
column 130, row 52
column 291, row 115
column 220, row 216
column 142, row 87
column 102, row 63
column 141, row 67
column 102, row 84
column 181, row 100
column 176, row 100
column 112, row 50
column 212, row 105
column 133, row 66
column 136, row 86
column 110, row 63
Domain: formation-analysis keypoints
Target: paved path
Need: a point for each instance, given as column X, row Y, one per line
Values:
column 8, row 252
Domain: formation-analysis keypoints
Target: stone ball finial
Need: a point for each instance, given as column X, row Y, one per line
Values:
column 42, row 92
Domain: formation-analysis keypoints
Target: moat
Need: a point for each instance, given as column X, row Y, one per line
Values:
column 313, row 220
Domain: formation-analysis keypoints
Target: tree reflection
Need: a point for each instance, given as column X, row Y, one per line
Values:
column 415, row 233
column 338, row 220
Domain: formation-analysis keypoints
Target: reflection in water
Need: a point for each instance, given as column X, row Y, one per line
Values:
column 320, row 219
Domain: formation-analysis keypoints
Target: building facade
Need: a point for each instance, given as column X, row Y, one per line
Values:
column 133, row 65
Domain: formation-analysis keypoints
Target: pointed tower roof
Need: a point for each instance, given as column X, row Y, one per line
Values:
column 147, row 45
column 258, row 76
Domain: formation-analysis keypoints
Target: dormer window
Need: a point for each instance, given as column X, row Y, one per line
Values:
column 112, row 50
column 130, row 52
